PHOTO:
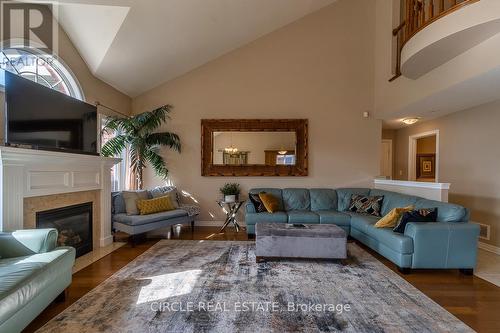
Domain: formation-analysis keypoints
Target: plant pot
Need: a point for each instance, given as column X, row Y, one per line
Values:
column 230, row 198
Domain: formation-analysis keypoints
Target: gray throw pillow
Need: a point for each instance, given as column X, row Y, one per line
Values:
column 163, row 191
column 130, row 198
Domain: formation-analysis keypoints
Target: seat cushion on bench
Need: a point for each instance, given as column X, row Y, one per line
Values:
column 254, row 218
column 334, row 217
column 300, row 216
column 145, row 219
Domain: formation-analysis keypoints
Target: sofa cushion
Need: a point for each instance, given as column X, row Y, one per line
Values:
column 323, row 199
column 254, row 218
column 296, row 199
column 274, row 191
column 24, row 278
column 302, row 217
column 397, row 242
column 334, row 217
column 447, row 212
column 145, row 219
column 361, row 221
column 130, row 198
column 166, row 190
column 117, row 203
column 344, row 196
column 393, row 200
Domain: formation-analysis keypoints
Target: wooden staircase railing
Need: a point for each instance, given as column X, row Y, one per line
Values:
column 416, row 15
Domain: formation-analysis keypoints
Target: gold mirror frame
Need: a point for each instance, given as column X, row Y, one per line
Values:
column 209, row 126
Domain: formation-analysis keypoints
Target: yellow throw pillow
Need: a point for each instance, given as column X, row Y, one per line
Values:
column 271, row 203
column 151, row 206
column 392, row 218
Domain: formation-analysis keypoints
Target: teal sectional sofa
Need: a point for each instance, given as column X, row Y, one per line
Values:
column 450, row 242
column 33, row 272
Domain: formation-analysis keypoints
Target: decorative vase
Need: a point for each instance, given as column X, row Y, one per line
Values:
column 230, row 198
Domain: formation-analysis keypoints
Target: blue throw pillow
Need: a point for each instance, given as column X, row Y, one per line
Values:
column 418, row 215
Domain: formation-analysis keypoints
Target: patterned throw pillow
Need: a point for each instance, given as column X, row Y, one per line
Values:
column 366, row 204
column 257, row 203
column 391, row 219
column 419, row 215
column 156, row 205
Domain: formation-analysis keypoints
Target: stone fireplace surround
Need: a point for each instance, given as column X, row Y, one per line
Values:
column 36, row 180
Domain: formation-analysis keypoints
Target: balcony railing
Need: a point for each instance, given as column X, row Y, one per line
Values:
column 416, row 15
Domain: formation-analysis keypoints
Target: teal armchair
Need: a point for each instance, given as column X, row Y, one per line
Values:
column 33, row 272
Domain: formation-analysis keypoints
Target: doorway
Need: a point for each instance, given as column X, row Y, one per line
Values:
column 423, row 157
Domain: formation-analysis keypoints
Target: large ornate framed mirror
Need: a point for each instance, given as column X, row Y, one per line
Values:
column 254, row 147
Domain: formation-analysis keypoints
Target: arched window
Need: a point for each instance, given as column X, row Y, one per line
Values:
column 42, row 68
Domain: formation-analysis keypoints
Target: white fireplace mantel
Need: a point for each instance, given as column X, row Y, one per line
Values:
column 31, row 173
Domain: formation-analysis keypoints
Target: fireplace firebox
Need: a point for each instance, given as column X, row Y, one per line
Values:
column 74, row 224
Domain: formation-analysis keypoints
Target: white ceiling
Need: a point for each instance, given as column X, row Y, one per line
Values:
column 136, row 45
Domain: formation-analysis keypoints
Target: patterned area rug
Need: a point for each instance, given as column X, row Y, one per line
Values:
column 216, row 286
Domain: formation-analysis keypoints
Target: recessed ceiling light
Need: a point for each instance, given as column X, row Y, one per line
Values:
column 410, row 121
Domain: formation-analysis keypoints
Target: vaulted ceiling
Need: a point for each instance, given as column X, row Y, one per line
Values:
column 136, row 45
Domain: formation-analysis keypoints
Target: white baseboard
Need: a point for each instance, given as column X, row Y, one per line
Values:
column 106, row 241
column 489, row 248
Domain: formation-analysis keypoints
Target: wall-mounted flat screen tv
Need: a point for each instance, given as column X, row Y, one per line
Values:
column 41, row 118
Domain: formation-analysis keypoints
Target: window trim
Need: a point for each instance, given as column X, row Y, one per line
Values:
column 58, row 65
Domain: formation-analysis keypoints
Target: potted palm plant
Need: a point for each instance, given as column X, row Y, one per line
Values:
column 139, row 134
column 230, row 191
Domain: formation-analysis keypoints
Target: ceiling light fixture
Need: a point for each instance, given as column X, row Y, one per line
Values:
column 410, row 121
column 283, row 152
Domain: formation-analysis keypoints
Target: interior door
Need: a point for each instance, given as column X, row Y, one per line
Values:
column 386, row 159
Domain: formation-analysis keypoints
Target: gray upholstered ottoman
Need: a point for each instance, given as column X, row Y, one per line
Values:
column 319, row 241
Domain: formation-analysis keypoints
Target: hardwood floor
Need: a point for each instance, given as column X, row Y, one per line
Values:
column 473, row 300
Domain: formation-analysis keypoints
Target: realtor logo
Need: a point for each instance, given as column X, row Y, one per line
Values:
column 28, row 24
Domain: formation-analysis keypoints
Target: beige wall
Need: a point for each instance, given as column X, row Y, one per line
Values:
column 320, row 68
column 93, row 88
column 391, row 134
column 469, row 160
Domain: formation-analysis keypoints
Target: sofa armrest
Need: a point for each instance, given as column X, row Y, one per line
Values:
column 443, row 244
column 27, row 242
column 249, row 207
